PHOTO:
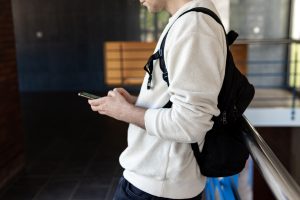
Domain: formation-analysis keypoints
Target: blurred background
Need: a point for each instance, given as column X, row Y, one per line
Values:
column 52, row 146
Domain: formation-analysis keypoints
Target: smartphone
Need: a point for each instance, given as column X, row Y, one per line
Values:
column 88, row 95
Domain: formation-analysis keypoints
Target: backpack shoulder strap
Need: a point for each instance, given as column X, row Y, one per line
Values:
column 230, row 38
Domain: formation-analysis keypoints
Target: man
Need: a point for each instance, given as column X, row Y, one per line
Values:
column 159, row 162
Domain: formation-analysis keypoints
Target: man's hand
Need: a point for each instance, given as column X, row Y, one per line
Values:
column 130, row 98
column 119, row 105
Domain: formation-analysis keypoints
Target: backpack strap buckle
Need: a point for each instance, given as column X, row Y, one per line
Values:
column 165, row 76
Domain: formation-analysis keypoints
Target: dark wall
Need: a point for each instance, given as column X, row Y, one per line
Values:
column 11, row 134
column 60, row 42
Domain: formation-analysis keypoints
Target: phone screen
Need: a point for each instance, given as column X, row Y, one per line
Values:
column 88, row 95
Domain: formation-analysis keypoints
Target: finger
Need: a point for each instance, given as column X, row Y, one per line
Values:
column 99, row 108
column 111, row 93
column 102, row 112
column 96, row 102
column 118, row 92
column 93, row 102
column 94, row 108
column 117, row 89
column 122, row 91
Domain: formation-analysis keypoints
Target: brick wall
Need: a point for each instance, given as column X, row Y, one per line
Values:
column 11, row 135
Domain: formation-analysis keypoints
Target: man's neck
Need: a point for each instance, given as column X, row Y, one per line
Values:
column 173, row 6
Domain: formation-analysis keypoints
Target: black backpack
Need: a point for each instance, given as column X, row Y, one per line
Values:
column 224, row 152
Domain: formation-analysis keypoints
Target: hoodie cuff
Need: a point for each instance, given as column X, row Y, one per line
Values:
column 151, row 121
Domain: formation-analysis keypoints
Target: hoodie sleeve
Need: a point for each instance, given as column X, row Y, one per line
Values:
column 196, row 64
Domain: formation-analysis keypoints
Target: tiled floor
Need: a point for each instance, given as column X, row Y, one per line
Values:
column 72, row 153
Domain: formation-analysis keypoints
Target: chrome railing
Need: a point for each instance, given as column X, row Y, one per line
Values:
column 276, row 176
column 283, row 64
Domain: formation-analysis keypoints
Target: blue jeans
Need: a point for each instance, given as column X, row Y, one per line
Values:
column 126, row 191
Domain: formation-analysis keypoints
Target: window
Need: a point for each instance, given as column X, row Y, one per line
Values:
column 262, row 21
column 152, row 25
column 295, row 49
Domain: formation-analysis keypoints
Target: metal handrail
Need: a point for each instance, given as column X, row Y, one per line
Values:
column 276, row 176
column 266, row 41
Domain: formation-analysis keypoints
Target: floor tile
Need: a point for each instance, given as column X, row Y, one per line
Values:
column 72, row 152
column 58, row 190
column 90, row 193
column 20, row 193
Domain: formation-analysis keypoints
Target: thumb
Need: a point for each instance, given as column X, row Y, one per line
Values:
column 122, row 91
column 117, row 92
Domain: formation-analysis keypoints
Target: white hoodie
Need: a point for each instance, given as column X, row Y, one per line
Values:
column 160, row 160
